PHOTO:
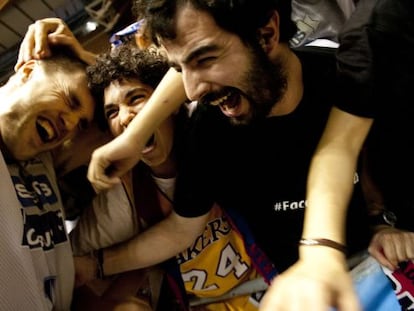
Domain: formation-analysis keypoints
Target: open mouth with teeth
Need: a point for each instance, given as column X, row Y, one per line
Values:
column 230, row 104
column 46, row 130
column 230, row 101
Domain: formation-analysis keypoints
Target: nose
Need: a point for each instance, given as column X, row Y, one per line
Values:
column 73, row 121
column 70, row 121
column 195, row 85
column 126, row 114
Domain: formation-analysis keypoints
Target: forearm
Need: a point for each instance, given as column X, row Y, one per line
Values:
column 330, row 208
column 331, row 176
column 157, row 244
column 167, row 98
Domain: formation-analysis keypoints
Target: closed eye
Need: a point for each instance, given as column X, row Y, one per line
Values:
column 206, row 60
column 136, row 99
column 73, row 101
column 111, row 113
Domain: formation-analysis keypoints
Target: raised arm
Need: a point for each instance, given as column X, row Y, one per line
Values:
column 112, row 160
column 331, row 175
column 320, row 278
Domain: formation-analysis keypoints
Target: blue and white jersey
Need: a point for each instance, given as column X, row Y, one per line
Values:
column 36, row 266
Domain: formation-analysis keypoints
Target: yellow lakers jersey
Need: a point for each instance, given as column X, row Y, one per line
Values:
column 216, row 263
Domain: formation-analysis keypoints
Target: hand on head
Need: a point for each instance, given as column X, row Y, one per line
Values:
column 47, row 32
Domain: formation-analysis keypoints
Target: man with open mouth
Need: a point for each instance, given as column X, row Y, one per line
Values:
column 43, row 105
column 126, row 78
column 262, row 108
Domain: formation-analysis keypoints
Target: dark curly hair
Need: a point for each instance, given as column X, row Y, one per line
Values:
column 127, row 61
column 241, row 17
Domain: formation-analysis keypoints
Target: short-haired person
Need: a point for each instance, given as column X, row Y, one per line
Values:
column 262, row 109
column 44, row 104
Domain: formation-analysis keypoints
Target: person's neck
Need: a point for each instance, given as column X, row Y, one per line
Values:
column 166, row 169
column 294, row 84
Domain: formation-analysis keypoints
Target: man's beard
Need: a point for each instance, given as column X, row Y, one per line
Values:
column 262, row 85
column 265, row 86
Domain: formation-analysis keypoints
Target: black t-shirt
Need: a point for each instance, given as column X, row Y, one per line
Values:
column 261, row 169
column 376, row 74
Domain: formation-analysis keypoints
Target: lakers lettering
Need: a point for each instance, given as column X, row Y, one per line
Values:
column 214, row 230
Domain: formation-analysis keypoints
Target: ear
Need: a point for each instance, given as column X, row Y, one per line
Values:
column 270, row 33
column 25, row 71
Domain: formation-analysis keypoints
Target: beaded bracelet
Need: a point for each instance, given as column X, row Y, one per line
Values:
column 324, row 242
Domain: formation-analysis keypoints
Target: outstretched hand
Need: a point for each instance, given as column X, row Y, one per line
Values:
column 45, row 33
column 310, row 286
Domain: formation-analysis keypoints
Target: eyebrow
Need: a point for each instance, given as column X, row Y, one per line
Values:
column 133, row 90
column 199, row 52
column 74, row 100
column 127, row 95
column 109, row 106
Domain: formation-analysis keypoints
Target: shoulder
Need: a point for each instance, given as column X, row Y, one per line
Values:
column 318, row 71
column 317, row 61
